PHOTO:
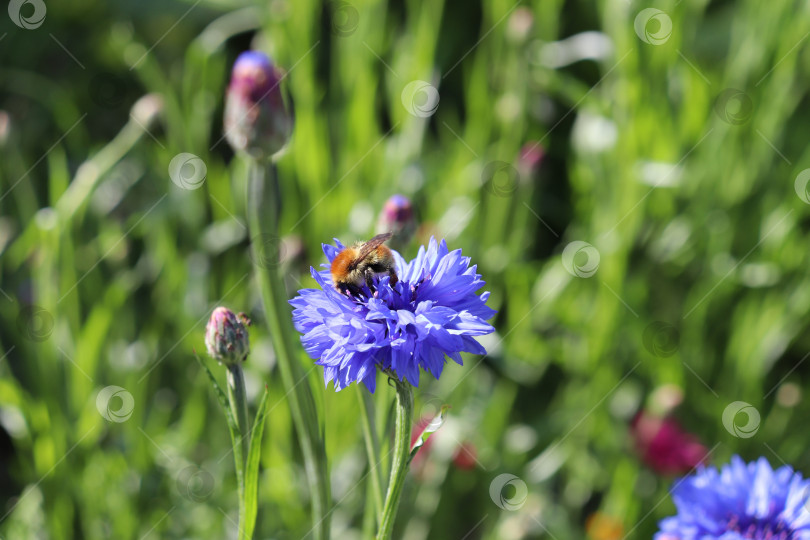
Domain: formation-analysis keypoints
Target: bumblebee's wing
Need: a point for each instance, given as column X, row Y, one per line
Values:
column 371, row 245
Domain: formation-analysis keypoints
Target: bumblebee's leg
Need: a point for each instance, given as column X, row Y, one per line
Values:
column 393, row 276
column 369, row 275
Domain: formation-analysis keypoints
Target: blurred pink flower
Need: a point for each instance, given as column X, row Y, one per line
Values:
column 530, row 158
column 664, row 446
column 421, row 456
column 464, row 455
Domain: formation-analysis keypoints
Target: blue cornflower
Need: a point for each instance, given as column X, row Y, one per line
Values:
column 740, row 501
column 432, row 311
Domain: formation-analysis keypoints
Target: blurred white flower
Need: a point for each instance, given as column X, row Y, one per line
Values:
column 659, row 173
column 593, row 133
column 583, row 46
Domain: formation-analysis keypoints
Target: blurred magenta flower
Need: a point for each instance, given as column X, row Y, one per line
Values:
column 397, row 217
column 464, row 454
column 431, row 312
column 257, row 120
column 418, row 461
column 739, row 501
column 226, row 336
column 664, row 446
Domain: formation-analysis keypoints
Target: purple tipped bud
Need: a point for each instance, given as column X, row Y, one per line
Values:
column 226, row 336
column 256, row 119
column 397, row 217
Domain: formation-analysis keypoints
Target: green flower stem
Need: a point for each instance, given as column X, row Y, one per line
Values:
column 372, row 448
column 238, row 403
column 263, row 207
column 399, row 464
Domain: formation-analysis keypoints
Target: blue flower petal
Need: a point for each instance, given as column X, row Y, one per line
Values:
column 740, row 501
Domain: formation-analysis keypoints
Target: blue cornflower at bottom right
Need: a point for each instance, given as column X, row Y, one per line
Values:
column 740, row 501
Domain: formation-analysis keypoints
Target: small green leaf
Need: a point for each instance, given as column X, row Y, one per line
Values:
column 221, row 397
column 252, row 472
column 430, row 428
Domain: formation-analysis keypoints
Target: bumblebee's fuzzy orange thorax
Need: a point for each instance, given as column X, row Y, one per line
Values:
column 341, row 263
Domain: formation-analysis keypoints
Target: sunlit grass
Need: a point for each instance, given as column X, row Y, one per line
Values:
column 685, row 192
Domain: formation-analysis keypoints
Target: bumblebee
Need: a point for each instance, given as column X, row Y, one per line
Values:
column 360, row 263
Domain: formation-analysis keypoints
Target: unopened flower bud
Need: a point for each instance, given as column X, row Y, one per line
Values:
column 226, row 336
column 257, row 120
column 397, row 217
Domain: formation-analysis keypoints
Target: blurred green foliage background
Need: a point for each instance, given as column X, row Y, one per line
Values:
column 686, row 190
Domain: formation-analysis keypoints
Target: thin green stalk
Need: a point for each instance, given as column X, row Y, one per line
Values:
column 263, row 208
column 226, row 403
column 399, row 464
column 238, row 403
column 372, row 449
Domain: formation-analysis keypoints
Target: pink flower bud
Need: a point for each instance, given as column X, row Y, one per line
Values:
column 226, row 336
column 397, row 217
column 257, row 120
